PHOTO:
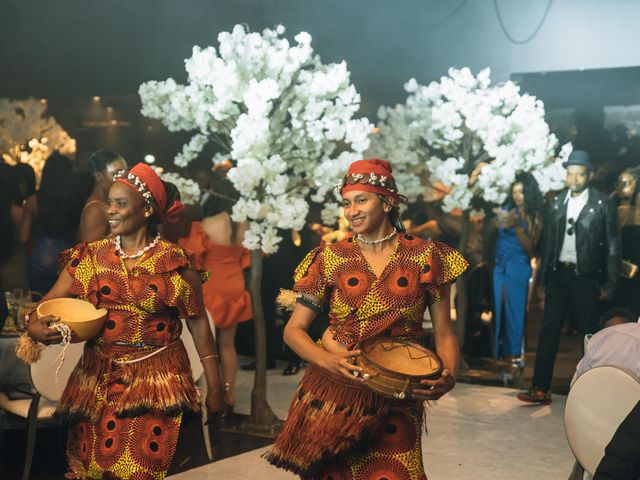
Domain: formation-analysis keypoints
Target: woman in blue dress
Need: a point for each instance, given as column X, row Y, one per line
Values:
column 519, row 223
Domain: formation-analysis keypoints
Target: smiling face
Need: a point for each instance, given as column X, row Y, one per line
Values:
column 127, row 211
column 365, row 211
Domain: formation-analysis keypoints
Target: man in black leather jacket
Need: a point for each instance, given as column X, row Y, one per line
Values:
column 580, row 264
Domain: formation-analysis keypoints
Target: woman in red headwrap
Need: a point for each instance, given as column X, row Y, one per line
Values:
column 133, row 394
column 378, row 282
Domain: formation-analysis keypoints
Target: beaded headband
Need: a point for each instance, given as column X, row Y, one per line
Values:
column 137, row 184
column 367, row 178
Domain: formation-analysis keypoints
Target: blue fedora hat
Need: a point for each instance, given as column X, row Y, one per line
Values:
column 579, row 157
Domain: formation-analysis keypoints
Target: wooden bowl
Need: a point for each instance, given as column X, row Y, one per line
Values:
column 82, row 317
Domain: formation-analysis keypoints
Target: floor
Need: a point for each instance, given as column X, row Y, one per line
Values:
column 478, row 431
column 475, row 432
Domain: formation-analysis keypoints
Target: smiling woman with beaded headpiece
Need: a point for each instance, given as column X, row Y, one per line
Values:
column 377, row 283
column 132, row 395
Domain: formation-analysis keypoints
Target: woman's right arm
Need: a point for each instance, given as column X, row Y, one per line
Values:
column 296, row 336
column 38, row 327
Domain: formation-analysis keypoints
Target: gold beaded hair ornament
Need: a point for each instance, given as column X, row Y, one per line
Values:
column 373, row 176
column 145, row 181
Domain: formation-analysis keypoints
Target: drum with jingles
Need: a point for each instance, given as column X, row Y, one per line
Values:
column 393, row 367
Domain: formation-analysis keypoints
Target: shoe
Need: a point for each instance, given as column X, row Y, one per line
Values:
column 291, row 369
column 252, row 366
column 541, row 397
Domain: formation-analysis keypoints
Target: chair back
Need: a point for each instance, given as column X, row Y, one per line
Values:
column 43, row 372
column 598, row 402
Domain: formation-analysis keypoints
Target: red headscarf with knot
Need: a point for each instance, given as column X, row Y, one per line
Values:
column 373, row 175
column 154, row 185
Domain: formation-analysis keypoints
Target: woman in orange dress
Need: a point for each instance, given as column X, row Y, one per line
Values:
column 218, row 240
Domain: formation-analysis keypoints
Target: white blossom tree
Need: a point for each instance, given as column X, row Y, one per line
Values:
column 27, row 135
column 281, row 115
column 471, row 137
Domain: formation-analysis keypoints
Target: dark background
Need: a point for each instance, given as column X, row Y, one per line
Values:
column 581, row 55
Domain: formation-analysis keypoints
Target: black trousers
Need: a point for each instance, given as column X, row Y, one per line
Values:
column 565, row 292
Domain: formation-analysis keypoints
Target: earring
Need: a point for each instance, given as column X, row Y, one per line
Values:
column 147, row 214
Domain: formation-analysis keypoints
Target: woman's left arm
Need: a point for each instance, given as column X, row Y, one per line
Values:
column 205, row 345
column 446, row 348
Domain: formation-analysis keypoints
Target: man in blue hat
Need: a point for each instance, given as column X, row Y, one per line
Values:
column 580, row 263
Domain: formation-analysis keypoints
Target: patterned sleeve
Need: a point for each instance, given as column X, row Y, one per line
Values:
column 443, row 267
column 78, row 263
column 309, row 276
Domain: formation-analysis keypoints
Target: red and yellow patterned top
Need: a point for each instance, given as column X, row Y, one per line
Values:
column 145, row 304
column 363, row 305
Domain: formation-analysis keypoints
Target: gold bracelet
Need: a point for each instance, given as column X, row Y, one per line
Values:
column 209, row 356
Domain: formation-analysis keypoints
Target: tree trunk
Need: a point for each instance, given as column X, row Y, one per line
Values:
column 261, row 413
column 462, row 292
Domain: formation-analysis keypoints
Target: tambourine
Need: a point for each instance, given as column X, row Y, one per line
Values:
column 393, row 368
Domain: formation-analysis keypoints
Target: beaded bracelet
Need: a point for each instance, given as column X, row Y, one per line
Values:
column 307, row 302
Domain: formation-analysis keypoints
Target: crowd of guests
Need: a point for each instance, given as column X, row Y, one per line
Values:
column 581, row 247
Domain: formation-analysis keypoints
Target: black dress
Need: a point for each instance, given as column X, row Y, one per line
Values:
column 628, row 290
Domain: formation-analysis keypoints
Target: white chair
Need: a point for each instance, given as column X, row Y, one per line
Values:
column 198, row 377
column 41, row 402
column 598, row 402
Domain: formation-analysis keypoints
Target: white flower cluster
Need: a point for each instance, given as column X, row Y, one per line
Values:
column 474, row 137
column 277, row 111
column 396, row 141
column 189, row 190
column 28, row 136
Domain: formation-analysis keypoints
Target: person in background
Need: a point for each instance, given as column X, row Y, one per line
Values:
column 580, row 264
column 627, row 196
column 616, row 344
column 218, row 241
column 13, row 257
column 103, row 165
column 132, row 405
column 26, row 181
column 519, row 224
column 52, row 222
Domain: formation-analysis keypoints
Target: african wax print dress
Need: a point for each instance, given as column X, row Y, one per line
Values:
column 127, row 396
column 337, row 428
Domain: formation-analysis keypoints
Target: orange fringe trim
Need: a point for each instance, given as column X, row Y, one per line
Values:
column 27, row 349
column 162, row 382
column 330, row 416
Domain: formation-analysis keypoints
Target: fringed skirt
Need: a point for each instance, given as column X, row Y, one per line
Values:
column 126, row 417
column 337, row 428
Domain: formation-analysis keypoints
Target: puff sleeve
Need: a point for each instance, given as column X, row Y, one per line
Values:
column 443, row 266
column 309, row 276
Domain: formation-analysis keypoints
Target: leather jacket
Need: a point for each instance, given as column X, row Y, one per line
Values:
column 597, row 238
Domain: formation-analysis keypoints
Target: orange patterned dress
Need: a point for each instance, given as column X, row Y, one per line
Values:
column 337, row 428
column 127, row 395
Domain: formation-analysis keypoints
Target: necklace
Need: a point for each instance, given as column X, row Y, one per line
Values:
column 375, row 242
column 124, row 256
